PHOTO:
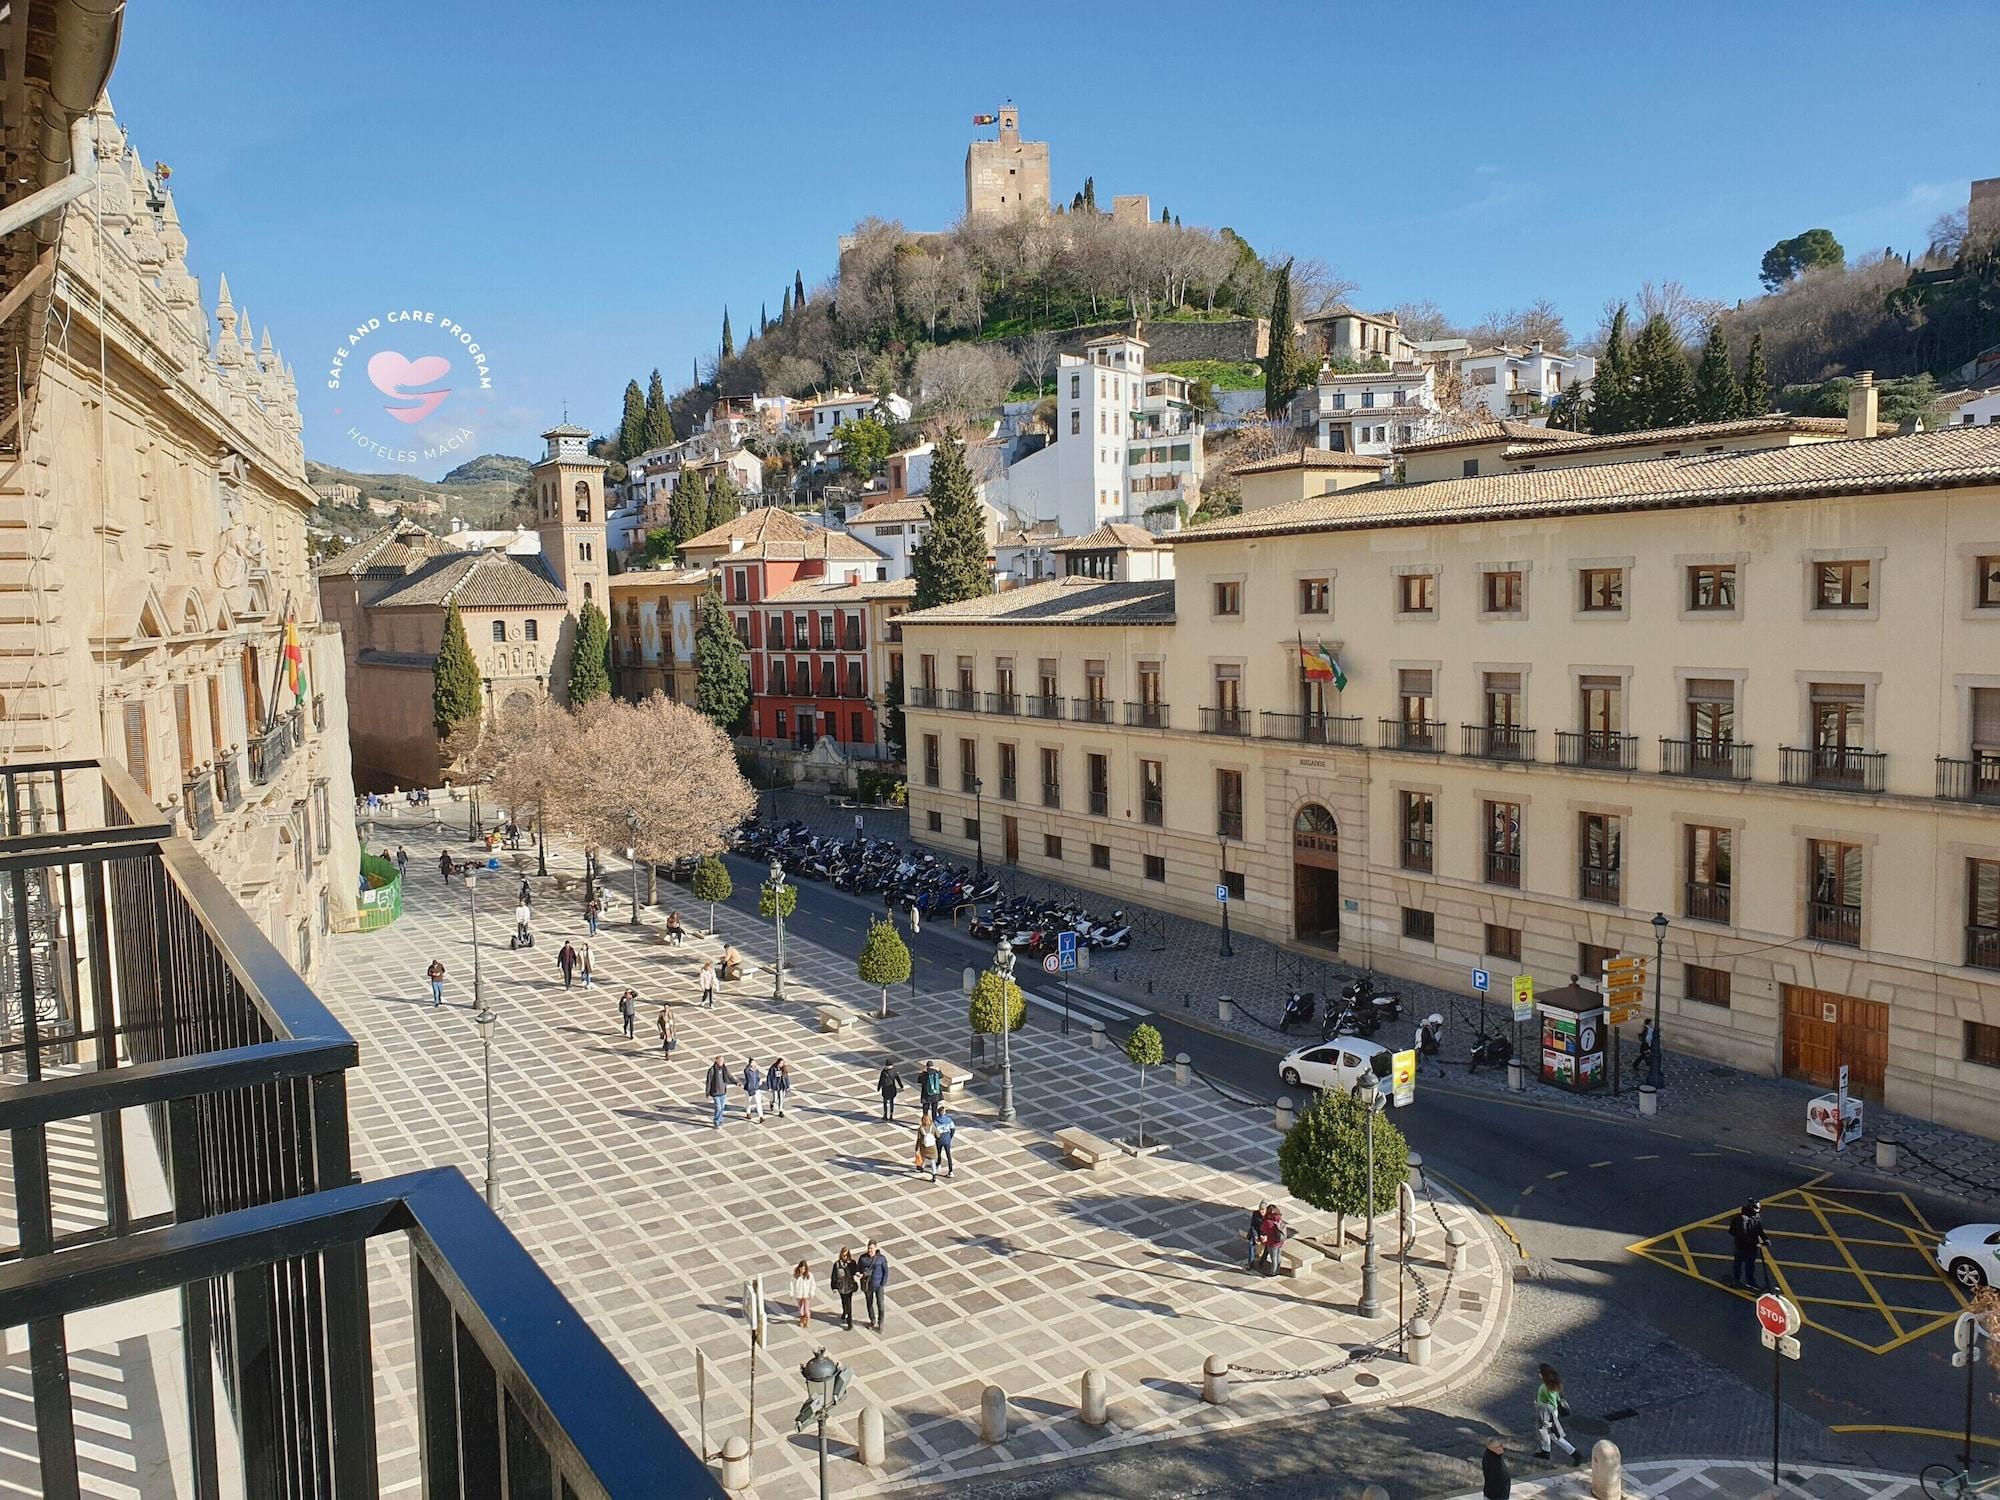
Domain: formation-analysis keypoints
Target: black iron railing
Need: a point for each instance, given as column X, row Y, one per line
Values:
column 198, row 803
column 1090, row 710
column 1043, row 707
column 1834, row 922
column 1052, row 794
column 1100, row 802
column 1416, row 854
column 1007, row 788
column 1975, row 780
column 269, row 751
column 1707, row 901
column 1423, row 735
column 1503, row 868
column 1310, row 729
column 1597, row 883
column 1598, row 749
column 922, row 697
column 1714, row 760
column 229, row 780
column 1498, row 742
column 961, row 700
column 1153, row 810
column 1982, row 947
column 1229, row 823
column 1146, row 715
column 1225, row 721
column 930, row 775
column 1002, row 703
column 1834, row 767
column 968, row 782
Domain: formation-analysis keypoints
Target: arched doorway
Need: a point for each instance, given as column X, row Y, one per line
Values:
column 1316, row 875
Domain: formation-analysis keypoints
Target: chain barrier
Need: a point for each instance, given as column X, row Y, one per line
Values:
column 1984, row 1188
column 1223, row 1093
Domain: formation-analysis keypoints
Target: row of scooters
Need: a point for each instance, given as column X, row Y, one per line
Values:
column 866, row 866
column 1034, row 926
column 1361, row 1010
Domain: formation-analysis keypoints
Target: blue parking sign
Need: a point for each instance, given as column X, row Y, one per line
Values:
column 1065, row 952
column 1222, row 894
column 1481, row 980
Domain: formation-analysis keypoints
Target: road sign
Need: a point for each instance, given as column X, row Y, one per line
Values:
column 1524, row 997
column 1787, row 1346
column 1403, row 1075
column 1624, row 986
column 1051, row 965
column 1065, row 952
column 1481, row 980
column 1840, row 1111
column 1778, row 1316
column 1222, row 894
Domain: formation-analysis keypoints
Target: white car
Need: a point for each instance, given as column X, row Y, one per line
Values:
column 1970, row 1256
column 1337, row 1064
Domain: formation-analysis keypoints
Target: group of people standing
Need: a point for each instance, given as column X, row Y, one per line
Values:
column 866, row 1273
column 772, row 1084
column 936, row 1129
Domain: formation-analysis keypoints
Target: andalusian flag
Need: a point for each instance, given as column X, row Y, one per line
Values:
column 295, row 660
column 1321, row 665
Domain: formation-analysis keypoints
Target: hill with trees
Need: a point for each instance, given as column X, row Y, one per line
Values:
column 486, row 493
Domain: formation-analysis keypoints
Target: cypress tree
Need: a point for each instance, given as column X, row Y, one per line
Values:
column 1281, row 364
column 632, row 426
column 1662, row 385
column 454, row 678
column 728, row 339
column 723, row 499
column 659, row 426
column 1717, row 397
column 1756, row 401
column 950, row 563
column 1611, row 387
column 785, row 308
column 798, row 289
column 1090, row 193
column 1165, row 217
column 590, row 657
column 687, row 507
column 722, row 680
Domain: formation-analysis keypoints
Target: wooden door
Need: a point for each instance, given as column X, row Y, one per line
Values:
column 1824, row 1030
column 1010, row 828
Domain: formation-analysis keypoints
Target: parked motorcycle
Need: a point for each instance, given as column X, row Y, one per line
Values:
column 1491, row 1052
column 1299, row 1009
column 1363, row 992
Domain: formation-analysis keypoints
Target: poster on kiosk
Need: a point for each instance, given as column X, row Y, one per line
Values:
column 1574, row 1030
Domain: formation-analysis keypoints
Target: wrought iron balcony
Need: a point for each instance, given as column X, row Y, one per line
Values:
column 269, row 751
column 229, row 780
column 1707, row 901
column 968, row 782
column 1503, row 867
column 1310, row 729
column 1833, row 922
column 1417, row 854
column 1229, row 823
column 1425, row 736
column 1007, row 788
column 1052, row 794
column 1597, row 749
column 1153, row 810
column 1003, row 703
column 921, row 696
column 1044, row 707
column 1982, row 947
column 198, row 799
column 1975, row 780
column 1596, row 883
column 1834, row 767
column 930, row 775
column 1498, row 742
column 1146, row 715
column 1225, row 721
column 1712, row 760
column 1090, row 710
column 961, row 701
column 1100, row 802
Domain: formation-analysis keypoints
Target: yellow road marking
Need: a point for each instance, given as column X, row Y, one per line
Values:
column 1479, row 1203
column 1929, row 1432
column 1813, row 1201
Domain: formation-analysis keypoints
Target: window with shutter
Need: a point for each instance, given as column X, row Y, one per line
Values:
column 1986, row 720
column 135, row 747
column 215, row 736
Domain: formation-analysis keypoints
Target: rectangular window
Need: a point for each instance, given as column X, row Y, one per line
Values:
column 1008, row 758
column 1052, row 778
column 855, row 731
column 927, row 674
column 1833, row 899
column 1841, row 585
column 1418, row 819
column 1711, row 714
column 1156, row 867
column 1603, row 590
column 1152, row 792
column 1504, row 593
column 1503, row 843
column 1707, row 986
column 1051, row 846
column 778, row 678
column 1599, row 855
column 1229, row 598
column 1414, row 685
column 1315, row 594
column 1097, row 780
column 1229, row 804
column 1987, row 594
column 1590, row 961
column 1232, row 882
column 1093, row 683
column 1419, row 926
column 532, row 629
column 1709, row 878
column 1100, row 856
column 499, row 630
column 972, row 830
column 930, row 760
column 1502, row 694
column 1601, row 706
column 1046, row 680
column 968, row 765
column 1075, row 423
column 1839, row 723
column 1416, row 593
column 1982, row 913
column 1982, row 1044
column 1711, row 586
column 934, row 821
column 1150, row 695
column 854, row 679
column 1469, row 469
column 1503, row 942
column 136, row 745
column 965, row 678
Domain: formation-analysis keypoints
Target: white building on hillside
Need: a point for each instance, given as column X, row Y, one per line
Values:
column 1345, row 333
column 1513, row 380
column 1373, row 412
column 894, row 530
column 828, row 412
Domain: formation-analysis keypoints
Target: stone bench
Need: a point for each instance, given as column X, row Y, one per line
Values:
column 1300, row 1262
column 834, row 1017
column 1088, row 1150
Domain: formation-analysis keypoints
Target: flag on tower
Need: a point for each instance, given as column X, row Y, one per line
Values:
column 985, row 119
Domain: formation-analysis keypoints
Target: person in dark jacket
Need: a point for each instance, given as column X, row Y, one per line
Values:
column 930, row 1088
column 1256, row 1236
column 717, row 1089
column 1274, row 1239
column 874, row 1268
column 566, row 961
column 846, row 1282
column 1747, row 1233
column 1498, row 1480
column 889, row 1084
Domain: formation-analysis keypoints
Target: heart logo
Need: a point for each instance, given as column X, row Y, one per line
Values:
column 391, row 373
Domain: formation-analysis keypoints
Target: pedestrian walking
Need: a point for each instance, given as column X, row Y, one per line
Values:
column 717, row 1088
column 889, row 1083
column 1649, row 1038
column 1255, row 1237
column 930, row 1088
column 846, row 1282
column 527, row 893
column 402, row 861
column 802, row 1292
column 583, row 968
column 668, row 1041
column 946, row 1128
column 566, row 961
column 753, row 1091
column 1550, row 1409
column 1498, row 1480
column 445, row 865
column 1747, row 1233
column 705, row 984
column 1274, row 1239
column 778, row 1080
column 435, row 974
column 874, row 1268
column 1430, row 1032
column 925, row 1157
column 916, row 920
column 628, row 1012
column 593, row 909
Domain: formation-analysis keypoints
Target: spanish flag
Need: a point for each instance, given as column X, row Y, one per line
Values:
column 295, row 660
column 1321, row 665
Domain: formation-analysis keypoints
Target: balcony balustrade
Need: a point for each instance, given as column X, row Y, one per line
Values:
column 1708, row 759
column 1834, row 768
column 1422, row 735
column 1310, row 729
column 1974, row 780
column 1597, row 749
column 1498, row 742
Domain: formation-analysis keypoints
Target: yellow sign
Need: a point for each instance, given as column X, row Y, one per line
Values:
column 1625, row 1011
column 1624, row 987
column 1403, row 1074
column 1524, row 997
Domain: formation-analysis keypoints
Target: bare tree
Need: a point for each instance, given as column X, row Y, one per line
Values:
column 1688, row 315
column 963, row 378
column 1038, row 357
column 1315, row 287
column 1424, row 320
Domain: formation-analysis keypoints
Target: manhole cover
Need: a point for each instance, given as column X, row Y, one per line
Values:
column 1365, row 1379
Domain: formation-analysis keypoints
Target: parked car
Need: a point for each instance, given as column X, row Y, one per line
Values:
column 1970, row 1255
column 1340, row 1063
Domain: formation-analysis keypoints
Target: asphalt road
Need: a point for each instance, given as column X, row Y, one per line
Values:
column 1574, row 1191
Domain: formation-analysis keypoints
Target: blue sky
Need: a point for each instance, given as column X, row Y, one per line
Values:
column 582, row 187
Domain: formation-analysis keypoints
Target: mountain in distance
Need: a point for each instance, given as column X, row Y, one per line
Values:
column 486, row 493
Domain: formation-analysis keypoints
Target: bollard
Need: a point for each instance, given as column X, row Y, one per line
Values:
column 868, row 1441
column 1517, row 1076
column 1224, row 1011
column 1283, row 1112
column 1374, row 1492
column 1649, row 1100
column 736, row 1466
column 1418, row 1350
column 1096, row 1036
column 1091, row 1409
column 993, row 1415
column 1887, row 1155
column 1183, row 1064
column 1215, row 1380
column 1454, row 1249
column 1417, row 1169
column 1607, row 1471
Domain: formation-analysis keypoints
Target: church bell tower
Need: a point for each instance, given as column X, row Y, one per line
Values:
column 568, row 486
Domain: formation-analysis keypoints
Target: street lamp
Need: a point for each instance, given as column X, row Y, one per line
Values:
column 632, row 858
column 1373, row 1101
column 1656, row 1077
column 826, row 1384
column 1003, row 965
column 485, row 1021
column 979, row 829
column 778, row 916
column 1222, row 843
column 472, row 904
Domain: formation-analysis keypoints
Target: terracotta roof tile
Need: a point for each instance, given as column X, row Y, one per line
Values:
column 393, row 549
column 1498, row 431
column 478, row 580
column 770, row 531
column 814, row 591
column 1061, row 601
column 1318, row 458
column 1580, row 442
column 1112, row 535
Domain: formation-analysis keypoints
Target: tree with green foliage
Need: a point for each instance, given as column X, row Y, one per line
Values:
column 1662, row 384
column 1165, row 217
column 728, row 338
column 723, row 499
column 1717, row 396
column 785, row 307
column 1090, row 193
column 798, row 289
column 1323, row 1159
column 658, row 429
column 1756, row 398
column 865, row 444
column 894, row 727
column 687, row 506
column 987, row 1007
column 950, row 563
column 1611, row 386
column 777, row 901
column 660, row 544
column 454, row 679
column 1788, row 259
column 711, row 883
column 590, row 657
column 763, row 319
column 885, row 959
column 1281, row 364
column 1144, row 1049
column 722, row 679
column 632, row 425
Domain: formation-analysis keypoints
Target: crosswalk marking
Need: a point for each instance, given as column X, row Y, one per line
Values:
column 1091, row 1005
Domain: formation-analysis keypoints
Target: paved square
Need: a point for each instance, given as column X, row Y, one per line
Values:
column 1022, row 1271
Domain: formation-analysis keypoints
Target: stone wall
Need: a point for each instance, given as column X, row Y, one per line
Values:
column 1236, row 339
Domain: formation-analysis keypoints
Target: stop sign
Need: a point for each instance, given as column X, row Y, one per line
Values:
column 1778, row 1315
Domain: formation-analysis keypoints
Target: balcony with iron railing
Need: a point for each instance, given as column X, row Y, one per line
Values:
column 1091, row 710
column 1007, row 788
column 1597, row 749
column 1503, row 867
column 968, row 782
column 1706, row 759
column 1982, row 947
column 1003, row 703
column 851, row 638
column 921, row 696
column 1310, row 729
column 1043, row 707
column 1052, row 794
column 1100, row 802
column 1708, row 901
column 1974, row 780
column 140, row 994
column 269, row 751
column 1834, row 922
column 1153, row 811
column 1834, row 768
column 961, row 701
column 1146, row 716
column 1225, row 721
column 1417, row 854
column 229, row 780
column 1424, row 736
column 1597, row 883
column 1497, row 742
column 1229, row 823
column 892, row 632
column 198, row 802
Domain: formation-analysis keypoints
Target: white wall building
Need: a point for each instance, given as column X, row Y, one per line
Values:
column 894, row 530
column 1979, row 411
column 1513, row 380
column 828, row 412
column 1371, row 413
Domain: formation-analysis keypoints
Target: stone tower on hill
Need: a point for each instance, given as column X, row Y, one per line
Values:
column 1007, row 175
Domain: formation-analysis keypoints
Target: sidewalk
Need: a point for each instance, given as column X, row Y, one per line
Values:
column 1175, row 967
column 1724, row 1479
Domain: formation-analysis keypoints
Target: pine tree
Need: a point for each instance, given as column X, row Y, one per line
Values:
column 590, row 657
column 694, row 375
column 632, row 426
column 1756, row 401
column 687, row 507
column 1611, row 387
column 798, row 289
column 728, row 338
column 1662, row 385
column 454, row 678
column 1717, row 397
column 785, row 308
column 894, row 725
column 659, row 426
column 950, row 563
column 1165, row 217
column 723, row 499
column 722, row 680
column 1281, row 364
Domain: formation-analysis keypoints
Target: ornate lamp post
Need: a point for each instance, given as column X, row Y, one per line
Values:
column 979, row 822
column 1003, row 965
column 485, row 1021
column 1369, row 1092
column 1222, row 843
column 826, row 1384
column 777, row 886
column 632, row 858
column 1656, row 1076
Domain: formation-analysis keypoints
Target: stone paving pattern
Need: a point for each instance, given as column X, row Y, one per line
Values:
column 1022, row 1272
column 1725, row 1479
